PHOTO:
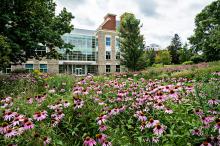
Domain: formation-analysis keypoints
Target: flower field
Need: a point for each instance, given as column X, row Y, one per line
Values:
column 119, row 110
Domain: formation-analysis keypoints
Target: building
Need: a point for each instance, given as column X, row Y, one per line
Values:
column 95, row 51
column 153, row 46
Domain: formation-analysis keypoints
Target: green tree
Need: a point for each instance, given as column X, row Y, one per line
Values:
column 185, row 53
column 31, row 24
column 131, row 42
column 163, row 57
column 207, row 32
column 150, row 55
column 4, row 53
column 174, row 47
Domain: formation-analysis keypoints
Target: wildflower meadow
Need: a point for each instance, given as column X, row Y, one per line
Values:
column 112, row 110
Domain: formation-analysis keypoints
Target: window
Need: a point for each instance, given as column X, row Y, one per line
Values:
column 117, row 45
column 29, row 67
column 108, row 41
column 117, row 68
column 108, row 68
column 61, row 69
column 43, row 67
column 108, row 55
column 117, row 55
column 6, row 70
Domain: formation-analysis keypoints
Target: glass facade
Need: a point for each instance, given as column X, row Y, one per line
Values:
column 84, row 47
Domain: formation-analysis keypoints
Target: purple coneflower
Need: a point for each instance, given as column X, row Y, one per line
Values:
column 101, row 119
column 46, row 140
column 4, row 128
column 213, row 102
column 66, row 104
column 205, row 143
column 168, row 111
column 9, row 115
column 197, row 132
column 10, row 133
column 101, row 138
column 217, row 127
column 107, row 143
column 159, row 129
column 39, row 116
column 152, row 123
column 28, row 125
column 102, row 128
column 89, row 142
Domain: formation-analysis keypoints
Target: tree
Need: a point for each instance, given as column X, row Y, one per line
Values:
column 163, row 57
column 207, row 32
column 184, row 53
column 150, row 55
column 131, row 42
column 4, row 53
column 174, row 47
column 27, row 25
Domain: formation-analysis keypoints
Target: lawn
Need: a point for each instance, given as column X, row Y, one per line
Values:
column 168, row 106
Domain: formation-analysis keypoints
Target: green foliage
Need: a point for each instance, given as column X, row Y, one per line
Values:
column 173, row 48
column 150, row 57
column 30, row 25
column 187, row 62
column 207, row 32
column 184, row 54
column 163, row 57
column 4, row 53
column 197, row 58
column 131, row 42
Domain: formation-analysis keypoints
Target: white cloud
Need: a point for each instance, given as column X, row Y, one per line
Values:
column 161, row 18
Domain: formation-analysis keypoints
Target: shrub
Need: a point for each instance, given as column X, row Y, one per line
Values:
column 187, row 62
column 158, row 65
column 197, row 58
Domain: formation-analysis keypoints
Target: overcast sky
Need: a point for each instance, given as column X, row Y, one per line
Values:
column 161, row 19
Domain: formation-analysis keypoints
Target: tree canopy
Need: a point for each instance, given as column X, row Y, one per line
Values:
column 131, row 42
column 206, row 37
column 174, row 47
column 27, row 25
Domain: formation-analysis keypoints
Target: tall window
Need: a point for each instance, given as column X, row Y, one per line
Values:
column 6, row 70
column 61, row 69
column 108, row 41
column 29, row 67
column 108, row 68
column 108, row 55
column 117, row 45
column 117, row 55
column 117, row 68
column 43, row 67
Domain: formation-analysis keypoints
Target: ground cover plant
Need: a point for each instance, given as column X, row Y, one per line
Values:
column 123, row 109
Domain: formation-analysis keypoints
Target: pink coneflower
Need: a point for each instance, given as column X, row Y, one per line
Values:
column 213, row 102
column 159, row 106
column 16, row 121
column 10, row 133
column 168, row 111
column 205, row 143
column 54, row 122
column 159, row 129
column 155, row 139
column 39, row 116
column 89, row 142
column 101, row 119
column 197, row 132
column 207, row 120
column 140, row 115
column 101, row 138
column 4, row 128
column 9, row 115
column 52, row 91
column 102, row 128
column 152, row 123
column 107, row 143
column 217, row 127
column 143, row 125
column 29, row 100
column 46, row 140
column 199, row 112
column 28, row 125
column 66, row 104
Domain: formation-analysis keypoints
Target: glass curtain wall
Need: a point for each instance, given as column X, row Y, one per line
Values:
column 84, row 48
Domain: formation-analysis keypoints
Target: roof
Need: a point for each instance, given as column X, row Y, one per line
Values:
column 83, row 31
